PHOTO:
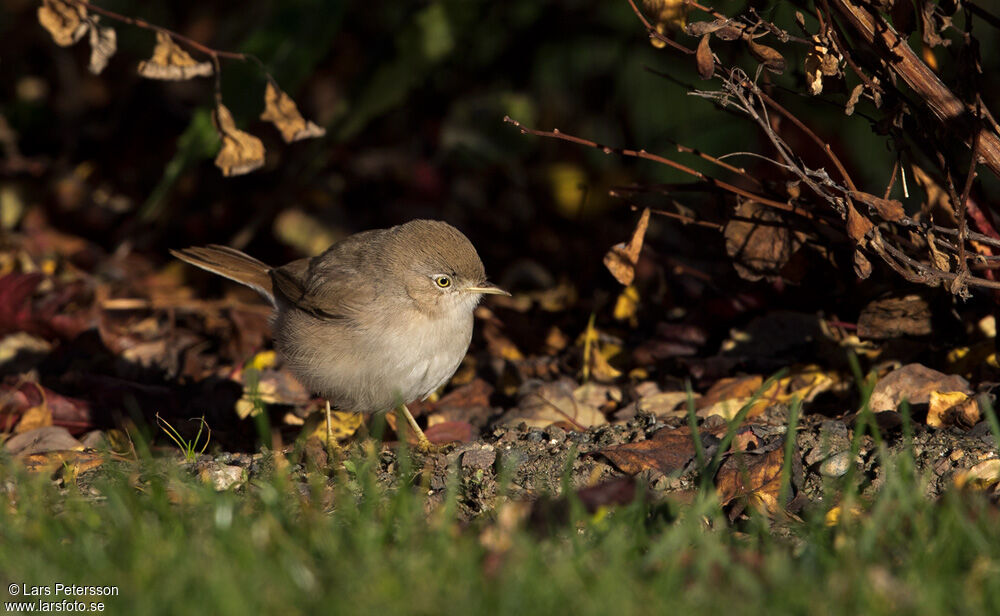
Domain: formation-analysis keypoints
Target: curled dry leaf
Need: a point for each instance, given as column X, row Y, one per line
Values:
column 701, row 28
column 66, row 22
column 858, row 226
column 103, row 45
column 768, row 56
column 854, row 98
column 621, row 259
column 862, row 266
column 889, row 209
column 820, row 63
column 952, row 408
column 704, row 58
column 280, row 109
column 171, row 63
column 241, row 152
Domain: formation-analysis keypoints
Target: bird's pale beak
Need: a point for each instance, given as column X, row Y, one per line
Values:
column 487, row 289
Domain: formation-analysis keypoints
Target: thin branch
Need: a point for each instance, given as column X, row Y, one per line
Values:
column 193, row 44
column 557, row 134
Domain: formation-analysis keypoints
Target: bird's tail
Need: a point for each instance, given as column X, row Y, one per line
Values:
column 232, row 264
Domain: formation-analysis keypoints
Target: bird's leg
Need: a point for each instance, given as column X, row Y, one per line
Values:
column 423, row 444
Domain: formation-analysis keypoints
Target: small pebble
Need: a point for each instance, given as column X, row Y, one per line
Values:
column 836, row 465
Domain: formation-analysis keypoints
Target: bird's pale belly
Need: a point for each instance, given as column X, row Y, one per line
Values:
column 401, row 363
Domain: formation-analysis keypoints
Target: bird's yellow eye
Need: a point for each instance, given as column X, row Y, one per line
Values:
column 443, row 281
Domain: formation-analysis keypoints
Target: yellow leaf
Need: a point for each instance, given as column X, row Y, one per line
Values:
column 832, row 517
column 569, row 184
column 980, row 476
column 35, row 417
column 672, row 12
column 342, row 425
column 264, row 359
column 170, row 62
column 600, row 368
column 940, row 402
column 627, row 306
column 66, row 22
column 241, row 152
column 280, row 109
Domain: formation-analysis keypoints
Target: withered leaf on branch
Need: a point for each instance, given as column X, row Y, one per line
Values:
column 706, row 63
column 621, row 259
column 66, row 22
column 768, row 56
column 934, row 22
column 103, row 45
column 241, row 152
column 280, row 109
column 862, row 266
column 820, row 63
column 889, row 209
column 171, row 63
column 759, row 241
column 853, row 100
column 858, row 225
column 701, row 28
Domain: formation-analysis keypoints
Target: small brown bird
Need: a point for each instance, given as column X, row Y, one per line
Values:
column 382, row 318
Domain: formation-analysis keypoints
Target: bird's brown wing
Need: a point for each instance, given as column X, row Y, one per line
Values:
column 325, row 286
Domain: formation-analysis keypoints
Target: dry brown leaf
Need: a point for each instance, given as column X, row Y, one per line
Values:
column 241, row 152
column 914, row 383
column 66, row 22
column 889, row 209
column 701, row 28
column 854, row 98
column 728, row 395
column 755, row 477
column 280, row 109
column 621, row 259
column 937, row 197
column 171, row 63
column 667, row 451
column 704, row 58
column 893, row 317
column 551, row 403
column 41, row 440
column 768, row 56
column 858, row 226
column 862, row 266
column 103, row 45
column 820, row 63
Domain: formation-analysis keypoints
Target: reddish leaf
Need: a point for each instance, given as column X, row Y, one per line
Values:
column 71, row 413
column 667, row 451
column 44, row 316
